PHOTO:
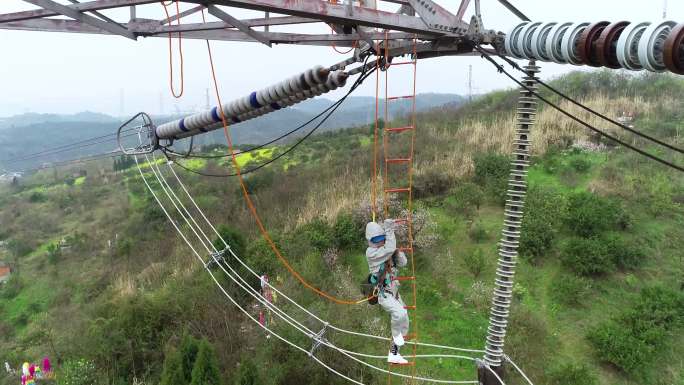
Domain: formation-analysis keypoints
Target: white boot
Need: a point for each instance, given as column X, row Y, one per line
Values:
column 396, row 359
column 398, row 340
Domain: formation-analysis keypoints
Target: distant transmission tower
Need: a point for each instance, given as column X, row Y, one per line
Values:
column 664, row 9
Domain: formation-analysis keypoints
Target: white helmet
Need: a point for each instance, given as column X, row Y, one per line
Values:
column 373, row 230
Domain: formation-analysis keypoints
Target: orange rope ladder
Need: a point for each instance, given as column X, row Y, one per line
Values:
column 390, row 191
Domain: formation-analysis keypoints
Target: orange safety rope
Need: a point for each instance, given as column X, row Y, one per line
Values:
column 252, row 207
column 180, row 50
column 353, row 47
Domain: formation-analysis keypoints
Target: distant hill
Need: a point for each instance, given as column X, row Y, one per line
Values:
column 31, row 133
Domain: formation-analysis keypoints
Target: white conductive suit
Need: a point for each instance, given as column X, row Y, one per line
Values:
column 377, row 254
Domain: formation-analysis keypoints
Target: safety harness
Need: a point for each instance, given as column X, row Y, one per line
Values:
column 378, row 283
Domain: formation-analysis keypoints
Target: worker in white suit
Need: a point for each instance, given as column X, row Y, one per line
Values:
column 384, row 261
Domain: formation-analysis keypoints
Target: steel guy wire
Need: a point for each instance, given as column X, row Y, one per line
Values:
column 502, row 70
column 332, row 370
column 591, row 110
column 280, row 313
column 182, row 185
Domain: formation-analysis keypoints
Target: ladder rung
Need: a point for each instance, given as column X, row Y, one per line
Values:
column 410, row 336
column 410, row 363
column 409, row 249
column 404, row 278
column 398, row 160
column 397, row 190
column 400, row 97
column 401, row 221
column 399, row 129
column 400, row 63
column 410, row 307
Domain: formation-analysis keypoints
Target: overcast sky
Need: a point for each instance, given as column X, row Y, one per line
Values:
column 68, row 73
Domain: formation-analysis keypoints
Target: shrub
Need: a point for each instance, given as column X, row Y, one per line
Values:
column 319, row 234
column 580, row 164
column 431, row 183
column 477, row 232
column 189, row 346
column 172, row 374
column 491, row 172
column 468, row 198
column 77, row 372
column 53, row 253
column 259, row 180
column 624, row 254
column 260, row 257
column 546, row 210
column 569, row 290
column 247, row 373
column 475, row 262
column 12, row 287
column 233, row 238
column 37, row 197
column 347, row 235
column 206, row 369
column 572, row 374
column 630, row 340
column 587, row 257
column 589, row 215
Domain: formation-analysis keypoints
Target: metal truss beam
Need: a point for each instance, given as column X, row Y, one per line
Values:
column 199, row 31
column 242, row 27
column 82, row 7
column 514, row 10
column 336, row 13
column 86, row 19
column 183, row 14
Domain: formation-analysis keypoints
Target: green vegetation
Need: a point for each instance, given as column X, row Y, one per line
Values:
column 597, row 299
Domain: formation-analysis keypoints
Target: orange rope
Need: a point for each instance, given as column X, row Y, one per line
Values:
column 180, row 51
column 354, row 45
column 252, row 207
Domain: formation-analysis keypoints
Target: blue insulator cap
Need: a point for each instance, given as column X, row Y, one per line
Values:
column 181, row 124
column 214, row 115
column 253, row 100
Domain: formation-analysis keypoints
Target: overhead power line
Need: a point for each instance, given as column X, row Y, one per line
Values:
column 502, row 70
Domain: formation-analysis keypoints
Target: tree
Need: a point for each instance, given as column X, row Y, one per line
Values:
column 173, row 369
column 206, row 370
column 188, row 350
column 233, row 238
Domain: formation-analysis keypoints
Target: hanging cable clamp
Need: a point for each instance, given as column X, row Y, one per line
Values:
column 216, row 258
column 318, row 339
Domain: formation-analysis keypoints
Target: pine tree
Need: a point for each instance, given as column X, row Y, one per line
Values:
column 206, row 369
column 188, row 351
column 173, row 369
column 247, row 374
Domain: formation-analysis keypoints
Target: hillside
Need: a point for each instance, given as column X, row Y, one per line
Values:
column 38, row 132
column 598, row 299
